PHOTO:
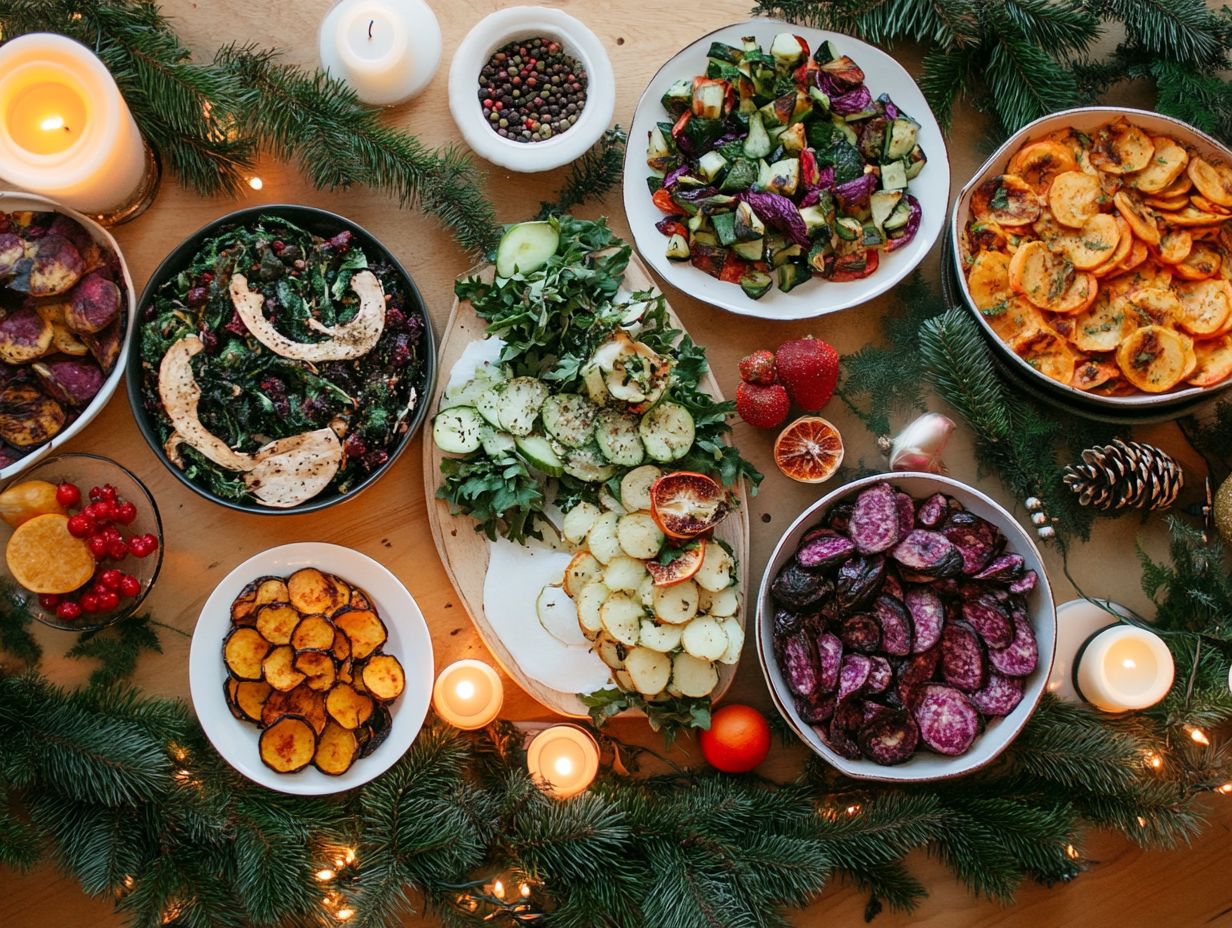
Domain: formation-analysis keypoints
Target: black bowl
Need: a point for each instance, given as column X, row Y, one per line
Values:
column 320, row 222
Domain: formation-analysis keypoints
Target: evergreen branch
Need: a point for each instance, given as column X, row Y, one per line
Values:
column 944, row 77
column 1062, row 26
column 1025, row 83
column 15, row 623
column 1179, row 30
column 591, row 176
column 117, row 648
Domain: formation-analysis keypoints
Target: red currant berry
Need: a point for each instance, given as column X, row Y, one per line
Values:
column 108, row 493
column 130, row 586
column 101, row 512
column 49, row 601
column 89, row 603
column 80, row 525
column 98, row 546
column 111, row 533
column 143, row 545
column 108, row 600
column 99, row 588
column 68, row 610
column 116, row 549
column 110, row 578
column 96, row 493
column 125, row 513
column 67, row 495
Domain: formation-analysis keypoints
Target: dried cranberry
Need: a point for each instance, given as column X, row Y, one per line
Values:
column 208, row 339
column 341, row 242
column 354, row 446
column 374, row 459
column 196, row 297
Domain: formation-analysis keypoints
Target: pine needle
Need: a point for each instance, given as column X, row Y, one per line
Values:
column 117, row 648
column 591, row 176
column 16, row 621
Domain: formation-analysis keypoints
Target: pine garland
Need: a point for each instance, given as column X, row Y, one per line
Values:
column 591, row 176
column 1022, row 59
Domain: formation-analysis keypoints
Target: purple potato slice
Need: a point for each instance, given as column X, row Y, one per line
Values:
column 932, row 511
column 890, row 737
column 25, row 336
column 93, row 305
column 1003, row 568
column 853, row 675
column 797, row 589
column 800, row 665
column 927, row 617
column 963, row 664
column 896, row 632
column 999, row 696
column 859, row 581
column 71, row 382
column 861, row 633
column 929, row 553
column 990, row 621
column 830, row 660
column 874, row 523
column 906, row 513
column 839, row 517
column 880, row 675
column 1021, row 656
column 1025, row 583
column 825, row 550
column 977, row 540
column 947, row 721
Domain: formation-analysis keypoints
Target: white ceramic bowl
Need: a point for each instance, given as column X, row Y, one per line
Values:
column 526, row 22
column 999, row 732
column 1083, row 119
column 408, row 640
column 17, row 201
column 816, row 297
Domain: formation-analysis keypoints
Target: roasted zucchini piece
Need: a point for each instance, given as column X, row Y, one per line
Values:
column 314, row 633
column 244, row 651
column 337, row 748
column 279, row 669
column 276, row 622
column 364, row 628
column 347, row 706
column 384, row 677
column 288, row 745
column 318, row 667
column 312, row 592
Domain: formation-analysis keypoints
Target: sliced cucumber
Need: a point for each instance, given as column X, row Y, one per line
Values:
column 588, row 464
column 494, row 441
column 458, row 430
column 569, row 418
column 519, row 404
column 616, row 435
column 667, row 432
column 468, row 394
column 539, row 454
column 526, row 247
column 489, row 403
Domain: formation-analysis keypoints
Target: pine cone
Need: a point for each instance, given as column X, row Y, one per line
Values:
column 1125, row 474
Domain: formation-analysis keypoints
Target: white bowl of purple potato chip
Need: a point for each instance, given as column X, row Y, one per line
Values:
column 906, row 628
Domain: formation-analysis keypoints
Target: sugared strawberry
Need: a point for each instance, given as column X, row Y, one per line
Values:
column 762, row 406
column 808, row 368
column 758, row 367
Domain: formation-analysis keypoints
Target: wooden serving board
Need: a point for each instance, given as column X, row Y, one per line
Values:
column 464, row 552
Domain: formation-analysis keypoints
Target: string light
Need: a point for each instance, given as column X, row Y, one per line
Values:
column 498, row 889
column 256, row 183
column 524, row 889
column 853, row 809
column 326, row 875
column 1153, row 760
column 1071, row 852
column 1226, row 789
column 345, row 914
column 1141, row 822
column 1198, row 736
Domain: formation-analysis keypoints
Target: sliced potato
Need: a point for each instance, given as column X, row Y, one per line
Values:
column 610, row 651
column 602, row 539
column 318, row 667
column 692, row 677
column 609, row 502
column 676, row 604
column 1103, row 326
column 578, row 522
column 589, row 601
column 1164, row 167
column 1078, row 296
column 1214, row 357
column 271, row 590
column 621, row 617
column 1093, row 373
column 635, row 487
column 722, row 604
column 1074, row 197
column 1152, row 306
column 623, row 680
column 1121, row 148
column 704, row 638
column 988, row 280
column 279, row 671
column 1202, row 262
column 1168, row 204
column 365, row 630
column 288, row 745
column 1205, row 305
column 734, row 630
column 1191, row 216
column 384, row 677
column 312, row 592
column 1095, row 243
column 648, row 670
column 1016, row 319
column 1175, row 245
column 337, row 748
column 660, row 637
column 1037, row 274
column 718, row 570
column 1049, row 354
column 984, row 236
column 624, row 574
column 276, row 622
column 309, row 703
column 582, row 569
column 1208, row 206
column 347, row 706
column 1124, row 247
column 341, row 648
column 1214, row 183
column 645, row 592
column 639, row 536
column 250, row 697
column 1038, row 163
column 1153, row 358
column 1141, row 218
column 1007, row 200
column 314, row 632
column 244, row 651
column 1138, row 253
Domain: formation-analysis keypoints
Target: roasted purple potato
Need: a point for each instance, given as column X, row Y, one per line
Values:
column 24, row 336
column 28, row 416
column 105, row 345
column 93, row 305
column 52, row 265
column 73, row 383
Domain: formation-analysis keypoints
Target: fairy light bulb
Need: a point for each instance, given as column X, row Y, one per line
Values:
column 1199, row 736
column 498, row 889
column 524, row 889
column 324, row 876
column 256, row 183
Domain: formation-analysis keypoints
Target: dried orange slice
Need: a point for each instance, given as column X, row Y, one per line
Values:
column 809, row 450
column 44, row 558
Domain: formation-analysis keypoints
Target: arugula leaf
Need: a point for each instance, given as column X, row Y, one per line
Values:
column 669, row 716
column 500, row 494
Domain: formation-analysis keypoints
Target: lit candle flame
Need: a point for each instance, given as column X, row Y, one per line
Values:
column 465, row 689
column 564, row 766
column 1129, row 663
column 52, row 123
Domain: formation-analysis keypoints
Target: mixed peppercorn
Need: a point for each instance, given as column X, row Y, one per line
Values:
column 531, row 90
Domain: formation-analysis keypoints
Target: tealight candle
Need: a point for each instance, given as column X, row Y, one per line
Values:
column 65, row 130
column 386, row 50
column 468, row 694
column 1124, row 668
column 563, row 759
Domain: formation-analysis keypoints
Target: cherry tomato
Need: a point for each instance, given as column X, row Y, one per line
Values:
column 68, row 610
column 663, row 199
column 125, row 513
column 738, row 739
column 108, row 600
column 67, row 495
column 49, row 601
column 89, row 603
column 130, row 586
column 110, row 578
column 80, row 525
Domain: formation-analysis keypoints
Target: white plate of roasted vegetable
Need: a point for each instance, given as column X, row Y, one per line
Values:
column 784, row 172
column 311, row 668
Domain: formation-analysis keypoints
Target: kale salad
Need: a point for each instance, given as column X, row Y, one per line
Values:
column 279, row 365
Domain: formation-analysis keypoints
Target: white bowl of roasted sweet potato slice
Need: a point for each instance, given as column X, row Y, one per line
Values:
column 1095, row 248
column 311, row 668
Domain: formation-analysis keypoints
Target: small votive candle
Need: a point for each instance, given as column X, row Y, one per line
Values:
column 468, row 694
column 386, row 50
column 1123, row 668
column 563, row 760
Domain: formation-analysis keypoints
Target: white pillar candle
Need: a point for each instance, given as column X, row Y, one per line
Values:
column 65, row 130
column 468, row 694
column 563, row 760
column 386, row 50
column 1124, row 668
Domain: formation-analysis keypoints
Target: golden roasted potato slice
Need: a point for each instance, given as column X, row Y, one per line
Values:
column 305, row 701
column 1208, row 206
column 1075, row 197
column 1174, row 246
column 1047, row 229
column 341, row 647
column 276, row 622
column 1049, row 354
column 313, row 633
column 1094, row 244
column 1148, row 274
column 985, row 236
column 288, row 745
column 1103, row 326
column 1006, row 200
column 244, row 606
column 230, row 690
column 1120, row 147
column 319, row 668
column 1038, row 163
column 279, row 671
column 1078, row 296
column 1191, row 216
column 1124, row 246
column 1166, row 165
column 52, row 266
column 271, row 590
column 1154, row 358
column 1205, row 305
column 1092, row 373
column 1152, row 306
column 244, row 651
column 364, row 628
column 312, row 592
column 384, row 677
column 1038, row 274
column 988, row 280
column 1138, row 253
column 347, row 706
column 1141, row 219
column 1014, row 319
column 1168, row 204
column 1214, row 357
column 1212, row 181
column 250, row 697
column 337, row 749
column 1180, row 187
column 1202, row 262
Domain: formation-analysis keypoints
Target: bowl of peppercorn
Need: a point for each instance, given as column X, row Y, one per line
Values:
column 531, row 88
column 283, row 360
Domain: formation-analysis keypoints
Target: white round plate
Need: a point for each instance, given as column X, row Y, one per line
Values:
column 408, row 641
column 817, row 297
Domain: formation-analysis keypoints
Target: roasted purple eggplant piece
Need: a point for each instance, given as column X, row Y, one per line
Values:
column 824, row 549
column 929, row 553
column 859, row 581
column 797, row 588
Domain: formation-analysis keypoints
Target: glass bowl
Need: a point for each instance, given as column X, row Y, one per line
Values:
column 86, row 471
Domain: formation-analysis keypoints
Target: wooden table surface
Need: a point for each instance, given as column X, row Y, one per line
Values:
column 1126, row 887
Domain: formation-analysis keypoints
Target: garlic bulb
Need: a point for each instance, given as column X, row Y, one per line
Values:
column 919, row 445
